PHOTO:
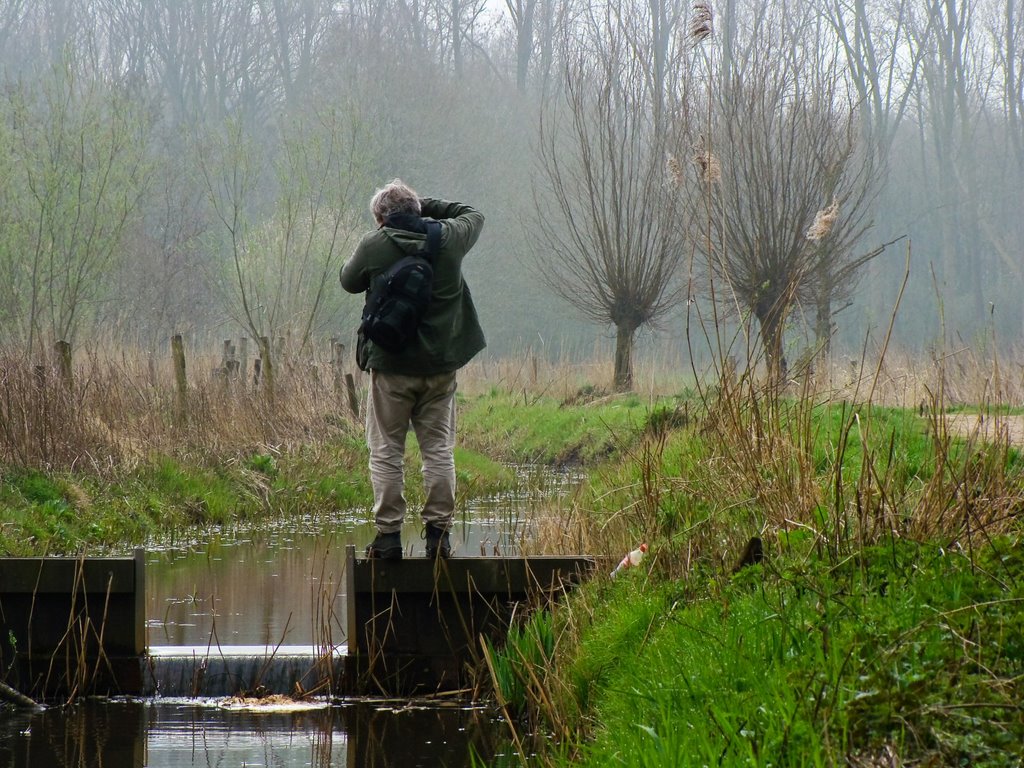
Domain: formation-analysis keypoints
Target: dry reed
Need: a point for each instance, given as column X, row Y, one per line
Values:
column 708, row 166
column 700, row 22
column 121, row 409
column 823, row 222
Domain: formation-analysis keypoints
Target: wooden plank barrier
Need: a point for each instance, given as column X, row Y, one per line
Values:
column 71, row 626
column 415, row 625
column 75, row 626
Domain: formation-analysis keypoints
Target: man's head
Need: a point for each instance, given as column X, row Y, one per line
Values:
column 394, row 197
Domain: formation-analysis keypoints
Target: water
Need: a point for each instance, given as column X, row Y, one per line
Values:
column 184, row 734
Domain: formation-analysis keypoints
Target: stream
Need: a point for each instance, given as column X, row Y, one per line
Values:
column 280, row 585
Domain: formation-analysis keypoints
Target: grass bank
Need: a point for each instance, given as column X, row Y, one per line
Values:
column 882, row 627
column 903, row 654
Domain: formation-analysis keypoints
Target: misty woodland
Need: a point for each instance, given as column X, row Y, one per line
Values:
column 648, row 169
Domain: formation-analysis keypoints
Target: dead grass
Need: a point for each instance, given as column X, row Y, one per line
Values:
column 902, row 380
column 120, row 409
column 991, row 429
column 760, row 473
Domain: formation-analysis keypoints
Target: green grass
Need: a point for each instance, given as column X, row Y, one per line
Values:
column 895, row 436
column 838, row 650
column 167, row 495
column 802, row 664
column 543, row 430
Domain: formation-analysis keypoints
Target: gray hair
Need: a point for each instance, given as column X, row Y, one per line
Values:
column 394, row 197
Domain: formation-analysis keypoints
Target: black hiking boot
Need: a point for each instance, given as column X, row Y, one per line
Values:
column 437, row 542
column 386, row 546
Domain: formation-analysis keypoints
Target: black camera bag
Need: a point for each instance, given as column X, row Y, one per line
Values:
column 398, row 299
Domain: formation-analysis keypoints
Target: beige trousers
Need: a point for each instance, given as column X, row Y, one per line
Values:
column 427, row 404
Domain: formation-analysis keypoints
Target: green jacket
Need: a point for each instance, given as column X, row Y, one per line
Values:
column 449, row 334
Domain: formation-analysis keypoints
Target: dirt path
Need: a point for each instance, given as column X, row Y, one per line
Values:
column 986, row 428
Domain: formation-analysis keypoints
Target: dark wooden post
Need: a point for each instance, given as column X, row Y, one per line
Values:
column 139, row 556
column 338, row 365
column 353, row 400
column 63, row 350
column 180, row 380
column 267, row 370
column 228, row 363
column 243, row 358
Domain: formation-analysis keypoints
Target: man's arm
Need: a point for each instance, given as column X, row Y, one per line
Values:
column 353, row 276
column 463, row 221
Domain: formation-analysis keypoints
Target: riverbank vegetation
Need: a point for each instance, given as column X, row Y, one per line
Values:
column 880, row 624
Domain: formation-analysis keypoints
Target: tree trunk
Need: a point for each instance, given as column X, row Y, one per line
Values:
column 823, row 327
column 624, row 358
column 524, row 42
column 771, row 340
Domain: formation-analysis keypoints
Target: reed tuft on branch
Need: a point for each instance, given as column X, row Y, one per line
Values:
column 823, row 222
column 707, row 164
column 675, row 170
column 700, row 24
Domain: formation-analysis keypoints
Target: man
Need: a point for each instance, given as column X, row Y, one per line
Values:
column 416, row 386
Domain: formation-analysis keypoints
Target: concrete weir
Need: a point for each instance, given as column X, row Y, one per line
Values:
column 77, row 625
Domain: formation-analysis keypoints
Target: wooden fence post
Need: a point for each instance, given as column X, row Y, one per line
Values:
column 338, row 365
column 243, row 358
column 228, row 362
column 63, row 350
column 353, row 400
column 267, row 369
column 180, row 380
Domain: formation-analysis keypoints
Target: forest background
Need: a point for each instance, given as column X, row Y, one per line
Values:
column 202, row 167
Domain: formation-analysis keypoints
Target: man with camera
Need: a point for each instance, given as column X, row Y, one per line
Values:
column 413, row 383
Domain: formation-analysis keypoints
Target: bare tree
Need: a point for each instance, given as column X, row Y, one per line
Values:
column 948, row 98
column 1010, row 59
column 285, row 249
column 784, row 184
column 78, row 169
column 998, row 198
column 606, row 209
column 208, row 59
column 523, row 14
column 882, row 63
column 294, row 31
column 11, row 19
column 161, row 280
column 552, row 27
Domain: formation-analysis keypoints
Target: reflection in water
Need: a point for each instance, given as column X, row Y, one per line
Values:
column 283, row 586
column 168, row 734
